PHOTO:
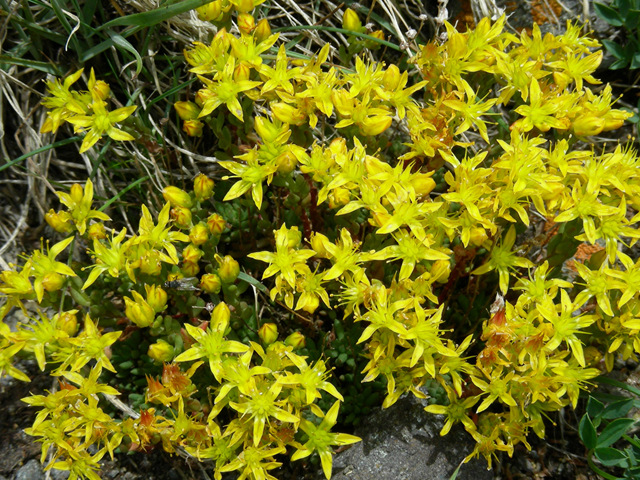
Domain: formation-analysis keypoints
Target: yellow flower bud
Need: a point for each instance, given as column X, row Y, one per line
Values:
column 228, row 269
column 210, row 12
column 350, row 21
column 243, row 5
column 192, row 254
column 268, row 333
column 181, row 217
column 375, row 125
column 294, row 237
column 96, row 231
column 77, row 193
column 67, row 322
column 203, row 187
column 210, row 283
column 440, row 270
column 101, row 90
column 187, row 110
column 295, row 340
column 177, row 197
column 242, row 73
column 423, row 183
column 216, row 224
column 138, row 310
column 339, row 197
column 199, row 234
column 193, row 128
column 203, row 95
column 288, row 114
column 287, row 162
column 53, row 281
column 262, row 31
column 391, row 77
column 220, row 316
column 190, row 269
column 156, row 297
column 478, row 236
column 246, row 23
column 317, row 244
column 588, row 125
column 161, row 351
column 61, row 222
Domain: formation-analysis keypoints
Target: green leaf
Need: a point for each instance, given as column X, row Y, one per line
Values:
column 615, row 49
column 611, row 457
column 40, row 66
column 120, row 41
column 249, row 279
column 587, row 432
column 594, row 407
column 156, row 16
column 631, row 21
column 623, row 8
column 635, row 61
column 618, row 409
column 617, row 383
column 608, row 14
column 614, row 431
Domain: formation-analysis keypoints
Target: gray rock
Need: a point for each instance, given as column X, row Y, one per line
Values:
column 59, row 474
column 403, row 442
column 32, row 470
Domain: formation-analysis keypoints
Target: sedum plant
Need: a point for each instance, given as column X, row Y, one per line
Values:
column 372, row 206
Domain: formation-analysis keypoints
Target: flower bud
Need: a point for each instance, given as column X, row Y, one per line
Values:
column 268, row 333
column 246, row 23
column 478, row 236
column 391, row 77
column 262, row 31
column 53, row 281
column 288, row 114
column 202, row 96
column 181, row 217
column 96, row 231
column 138, row 310
column 161, row 351
column 192, row 254
column 210, row 12
column 423, row 184
column 287, row 162
column 339, row 197
column 76, row 193
column 61, row 222
column 199, row 234
column 190, row 269
column 203, row 187
column 242, row 73
column 295, row 340
column 375, row 125
column 101, row 90
column 294, row 237
column 156, row 297
column 187, row 110
column 216, row 224
column 67, row 322
column 220, row 317
column 193, row 128
column 350, row 21
column 177, row 197
column 587, row 125
column 243, row 5
column 317, row 244
column 228, row 269
column 210, row 283
column 440, row 270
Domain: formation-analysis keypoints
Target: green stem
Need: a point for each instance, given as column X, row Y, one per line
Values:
column 39, row 150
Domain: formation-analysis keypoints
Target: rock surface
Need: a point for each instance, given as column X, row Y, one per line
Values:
column 403, row 442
